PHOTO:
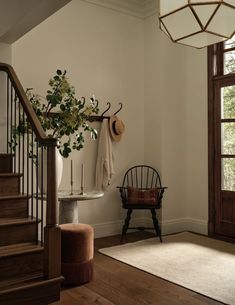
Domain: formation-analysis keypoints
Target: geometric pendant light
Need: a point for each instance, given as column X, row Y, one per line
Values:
column 197, row 23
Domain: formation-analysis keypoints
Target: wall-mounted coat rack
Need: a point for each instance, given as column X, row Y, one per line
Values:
column 100, row 118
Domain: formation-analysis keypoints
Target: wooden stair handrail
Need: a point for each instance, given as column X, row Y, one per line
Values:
column 52, row 249
column 36, row 125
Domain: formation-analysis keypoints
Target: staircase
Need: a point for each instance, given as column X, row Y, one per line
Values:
column 29, row 235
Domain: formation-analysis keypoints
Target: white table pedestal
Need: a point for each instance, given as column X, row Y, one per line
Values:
column 68, row 212
column 68, row 204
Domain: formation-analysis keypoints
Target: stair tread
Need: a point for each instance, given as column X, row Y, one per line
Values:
column 6, row 154
column 18, row 221
column 19, row 281
column 21, row 248
column 16, row 196
column 3, row 175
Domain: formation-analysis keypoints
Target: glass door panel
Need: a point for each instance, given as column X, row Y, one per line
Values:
column 228, row 174
column 228, row 138
column 229, row 62
column 228, row 102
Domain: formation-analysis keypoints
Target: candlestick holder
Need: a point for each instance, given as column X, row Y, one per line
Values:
column 71, row 187
column 82, row 191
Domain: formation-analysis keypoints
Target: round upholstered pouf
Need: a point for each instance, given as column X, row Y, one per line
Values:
column 77, row 249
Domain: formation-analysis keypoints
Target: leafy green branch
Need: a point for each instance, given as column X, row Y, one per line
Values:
column 62, row 115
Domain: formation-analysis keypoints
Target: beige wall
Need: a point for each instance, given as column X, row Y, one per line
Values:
column 5, row 53
column 176, row 127
column 196, row 135
column 163, row 88
column 103, row 52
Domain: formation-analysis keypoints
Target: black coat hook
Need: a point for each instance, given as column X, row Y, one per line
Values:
column 120, row 108
column 109, row 106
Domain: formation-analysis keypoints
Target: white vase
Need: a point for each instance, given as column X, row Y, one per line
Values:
column 59, row 170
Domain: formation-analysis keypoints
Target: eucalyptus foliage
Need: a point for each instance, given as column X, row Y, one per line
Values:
column 62, row 115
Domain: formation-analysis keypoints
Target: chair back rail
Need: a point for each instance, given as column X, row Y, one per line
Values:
column 142, row 177
column 33, row 155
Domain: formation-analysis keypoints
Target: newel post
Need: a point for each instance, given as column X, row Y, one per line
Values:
column 52, row 234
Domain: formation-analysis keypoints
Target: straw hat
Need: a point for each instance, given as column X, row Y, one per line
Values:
column 116, row 128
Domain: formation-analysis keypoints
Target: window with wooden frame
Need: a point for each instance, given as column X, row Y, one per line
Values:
column 221, row 120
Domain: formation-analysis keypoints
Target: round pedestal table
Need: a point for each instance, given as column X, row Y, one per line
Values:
column 68, row 204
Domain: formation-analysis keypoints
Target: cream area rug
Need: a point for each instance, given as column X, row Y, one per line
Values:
column 199, row 263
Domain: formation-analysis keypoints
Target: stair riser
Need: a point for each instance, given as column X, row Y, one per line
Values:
column 13, row 234
column 37, row 295
column 14, row 208
column 9, row 185
column 6, row 163
column 24, row 264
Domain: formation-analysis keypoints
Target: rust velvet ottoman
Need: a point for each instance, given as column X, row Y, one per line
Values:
column 77, row 249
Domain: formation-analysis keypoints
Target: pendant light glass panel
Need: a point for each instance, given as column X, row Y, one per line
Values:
column 231, row 2
column 198, row 23
column 201, row 40
column 181, row 18
column 223, row 22
column 205, row 12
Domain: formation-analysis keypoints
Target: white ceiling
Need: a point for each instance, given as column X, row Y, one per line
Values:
column 17, row 17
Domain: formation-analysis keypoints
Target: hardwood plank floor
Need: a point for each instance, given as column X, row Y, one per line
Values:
column 116, row 283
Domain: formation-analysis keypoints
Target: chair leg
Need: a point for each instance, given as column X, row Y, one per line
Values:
column 156, row 224
column 126, row 223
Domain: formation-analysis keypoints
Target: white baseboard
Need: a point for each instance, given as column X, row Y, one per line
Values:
column 168, row 226
column 115, row 227
column 185, row 224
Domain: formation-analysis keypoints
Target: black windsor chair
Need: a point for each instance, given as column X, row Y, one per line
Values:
column 141, row 190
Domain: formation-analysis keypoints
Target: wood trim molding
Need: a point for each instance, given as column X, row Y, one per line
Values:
column 137, row 8
column 168, row 226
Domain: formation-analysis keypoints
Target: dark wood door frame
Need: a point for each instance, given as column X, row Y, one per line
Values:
column 216, row 80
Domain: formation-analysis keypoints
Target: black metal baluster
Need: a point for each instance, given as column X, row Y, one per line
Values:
column 27, row 163
column 23, row 152
column 32, row 172
column 19, row 137
column 36, row 208
column 11, row 119
column 14, row 131
column 8, row 140
column 42, row 199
